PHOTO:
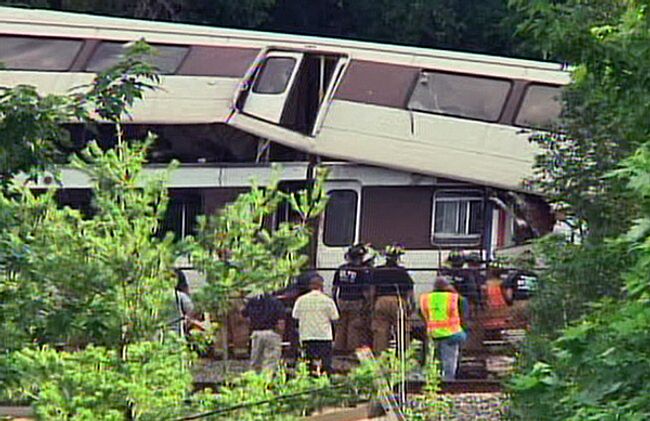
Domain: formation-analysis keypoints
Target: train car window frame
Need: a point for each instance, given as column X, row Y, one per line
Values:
column 259, row 79
column 183, row 208
column 327, row 238
column 457, row 239
column 522, row 102
column 44, row 39
column 506, row 96
column 91, row 66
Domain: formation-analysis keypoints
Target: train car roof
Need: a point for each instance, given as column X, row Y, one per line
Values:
column 81, row 21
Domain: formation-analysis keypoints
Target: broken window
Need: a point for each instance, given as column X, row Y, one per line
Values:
column 166, row 58
column 541, row 107
column 32, row 53
column 340, row 218
column 458, row 218
column 459, row 95
column 275, row 75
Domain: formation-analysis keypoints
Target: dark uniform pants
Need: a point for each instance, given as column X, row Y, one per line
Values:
column 384, row 319
column 352, row 327
column 319, row 356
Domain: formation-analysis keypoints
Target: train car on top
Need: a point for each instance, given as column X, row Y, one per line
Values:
column 444, row 114
column 436, row 141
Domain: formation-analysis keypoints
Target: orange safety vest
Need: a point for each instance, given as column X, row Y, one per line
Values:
column 440, row 310
column 497, row 316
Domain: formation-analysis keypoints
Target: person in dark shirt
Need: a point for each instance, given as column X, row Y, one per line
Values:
column 350, row 283
column 519, row 285
column 392, row 291
column 265, row 312
column 465, row 281
column 477, row 280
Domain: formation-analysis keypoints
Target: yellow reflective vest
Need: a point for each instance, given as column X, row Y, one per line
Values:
column 441, row 313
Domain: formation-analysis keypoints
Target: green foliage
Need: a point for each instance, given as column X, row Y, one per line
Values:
column 483, row 26
column 100, row 287
column 101, row 280
column 266, row 386
column 605, row 114
column 378, row 376
column 116, row 89
column 240, row 14
column 289, row 395
column 474, row 26
column 93, row 287
column 598, row 367
column 429, row 404
column 32, row 138
column 587, row 358
column 575, row 276
column 26, row 143
column 240, row 254
column 96, row 384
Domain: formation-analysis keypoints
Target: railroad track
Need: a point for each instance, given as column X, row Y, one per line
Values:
column 471, row 386
column 457, row 387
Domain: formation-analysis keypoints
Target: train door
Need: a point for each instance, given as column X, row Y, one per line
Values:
column 339, row 226
column 270, row 89
column 288, row 89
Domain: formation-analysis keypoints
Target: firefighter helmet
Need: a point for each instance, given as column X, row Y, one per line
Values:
column 356, row 251
column 456, row 259
column 393, row 251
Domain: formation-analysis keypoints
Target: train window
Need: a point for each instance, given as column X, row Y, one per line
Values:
column 459, row 95
column 79, row 199
column 340, row 218
column 541, row 107
column 457, row 217
column 274, row 76
column 396, row 214
column 32, row 53
column 182, row 210
column 166, row 58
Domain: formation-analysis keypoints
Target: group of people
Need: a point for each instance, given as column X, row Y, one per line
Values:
column 379, row 296
column 363, row 296
column 364, row 310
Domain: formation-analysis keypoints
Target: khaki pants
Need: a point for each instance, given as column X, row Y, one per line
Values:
column 384, row 320
column 351, row 327
column 266, row 350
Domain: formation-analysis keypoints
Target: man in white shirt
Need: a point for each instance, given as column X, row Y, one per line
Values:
column 315, row 312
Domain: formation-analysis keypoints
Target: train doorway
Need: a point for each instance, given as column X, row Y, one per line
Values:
column 289, row 88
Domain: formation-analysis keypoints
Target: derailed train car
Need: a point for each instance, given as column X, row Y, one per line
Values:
column 436, row 142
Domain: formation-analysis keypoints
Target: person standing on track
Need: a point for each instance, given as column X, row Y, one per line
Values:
column 444, row 311
column 265, row 313
column 187, row 316
column 392, row 293
column 463, row 280
column 315, row 312
column 350, row 283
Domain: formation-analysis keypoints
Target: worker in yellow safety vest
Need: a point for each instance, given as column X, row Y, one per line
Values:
column 443, row 311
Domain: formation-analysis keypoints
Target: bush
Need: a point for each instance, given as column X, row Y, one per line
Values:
column 98, row 384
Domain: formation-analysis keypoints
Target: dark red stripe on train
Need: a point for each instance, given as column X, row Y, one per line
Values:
column 217, row 61
column 377, row 83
